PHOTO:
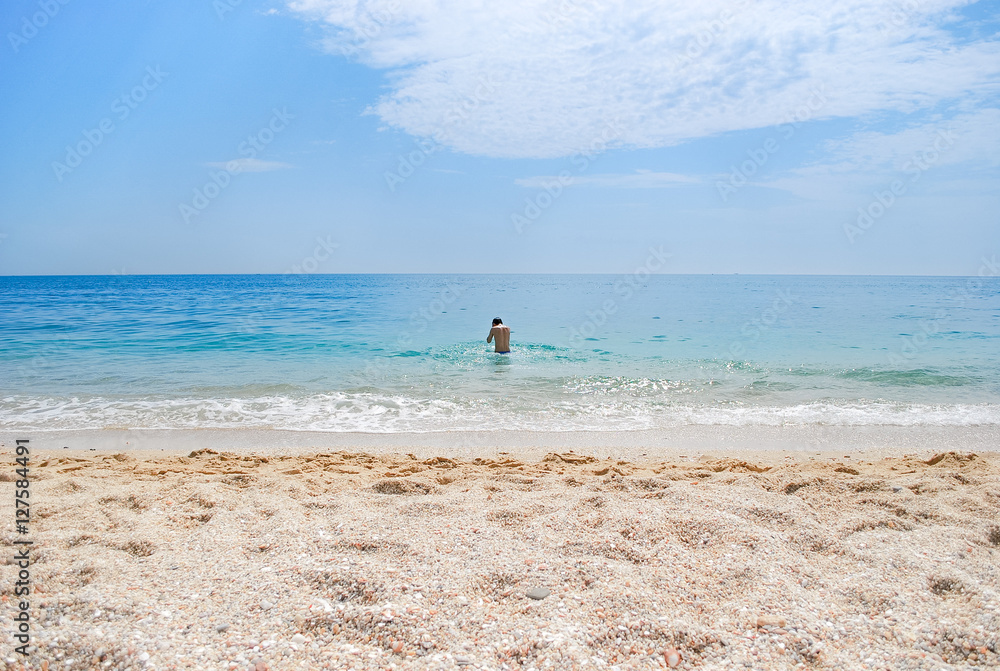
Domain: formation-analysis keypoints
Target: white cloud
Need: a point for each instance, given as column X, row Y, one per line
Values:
column 963, row 138
column 856, row 163
column 536, row 78
column 250, row 165
column 641, row 179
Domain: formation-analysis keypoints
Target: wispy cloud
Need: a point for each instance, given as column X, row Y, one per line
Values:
column 250, row 165
column 853, row 163
column 641, row 179
column 524, row 78
column 974, row 138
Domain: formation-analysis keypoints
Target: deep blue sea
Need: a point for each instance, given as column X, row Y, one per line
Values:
column 391, row 353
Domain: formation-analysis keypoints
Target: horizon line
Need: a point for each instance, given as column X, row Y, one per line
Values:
column 666, row 274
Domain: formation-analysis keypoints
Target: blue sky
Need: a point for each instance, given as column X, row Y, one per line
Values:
column 566, row 136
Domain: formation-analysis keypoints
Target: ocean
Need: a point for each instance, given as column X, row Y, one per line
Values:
column 408, row 353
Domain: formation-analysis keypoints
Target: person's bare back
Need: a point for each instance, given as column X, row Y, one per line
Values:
column 500, row 335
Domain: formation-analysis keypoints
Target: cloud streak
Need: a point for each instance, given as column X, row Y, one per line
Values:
column 669, row 71
column 642, row 179
column 250, row 165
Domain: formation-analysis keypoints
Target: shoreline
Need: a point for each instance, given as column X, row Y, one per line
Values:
column 630, row 445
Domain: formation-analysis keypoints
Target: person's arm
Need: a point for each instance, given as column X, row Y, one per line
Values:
column 489, row 338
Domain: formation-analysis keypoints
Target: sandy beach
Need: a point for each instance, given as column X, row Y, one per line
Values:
column 533, row 335
column 365, row 560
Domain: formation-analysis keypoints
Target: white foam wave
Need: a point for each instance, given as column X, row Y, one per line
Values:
column 380, row 413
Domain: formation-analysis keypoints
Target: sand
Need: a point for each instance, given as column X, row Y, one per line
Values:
column 343, row 560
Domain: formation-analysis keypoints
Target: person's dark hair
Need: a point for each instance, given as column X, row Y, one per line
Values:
column 497, row 320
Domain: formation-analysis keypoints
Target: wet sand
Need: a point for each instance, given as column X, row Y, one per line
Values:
column 628, row 445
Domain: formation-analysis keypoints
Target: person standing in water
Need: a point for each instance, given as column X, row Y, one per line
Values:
column 500, row 335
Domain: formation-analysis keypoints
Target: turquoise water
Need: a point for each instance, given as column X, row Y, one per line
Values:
column 387, row 353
